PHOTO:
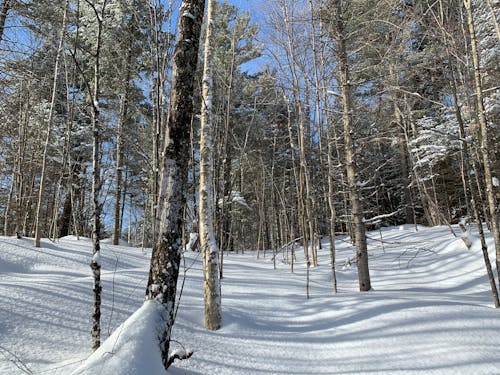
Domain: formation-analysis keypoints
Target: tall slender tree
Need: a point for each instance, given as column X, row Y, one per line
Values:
column 49, row 123
column 483, row 132
column 340, row 33
column 99, row 9
column 211, row 287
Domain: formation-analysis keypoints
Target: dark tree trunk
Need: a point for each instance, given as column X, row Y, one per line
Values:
column 65, row 218
column 95, row 263
column 166, row 257
column 4, row 10
column 117, row 227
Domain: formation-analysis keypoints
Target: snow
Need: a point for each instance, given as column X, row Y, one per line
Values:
column 97, row 258
column 188, row 15
column 135, row 343
column 430, row 311
column 193, row 238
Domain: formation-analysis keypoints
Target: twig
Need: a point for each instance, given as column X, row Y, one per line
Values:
column 285, row 247
column 186, row 269
column 112, row 294
column 414, row 256
column 62, row 366
column 17, row 361
column 185, row 354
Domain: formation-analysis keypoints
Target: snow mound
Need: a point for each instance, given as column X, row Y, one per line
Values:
column 132, row 349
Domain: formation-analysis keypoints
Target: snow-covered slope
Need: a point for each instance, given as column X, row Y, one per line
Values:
column 430, row 311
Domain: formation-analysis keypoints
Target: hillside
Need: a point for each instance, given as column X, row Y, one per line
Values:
column 430, row 311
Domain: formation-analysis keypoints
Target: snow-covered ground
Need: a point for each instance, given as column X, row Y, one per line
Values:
column 430, row 311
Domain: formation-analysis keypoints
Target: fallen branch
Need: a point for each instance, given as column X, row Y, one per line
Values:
column 179, row 354
column 285, row 247
column 16, row 361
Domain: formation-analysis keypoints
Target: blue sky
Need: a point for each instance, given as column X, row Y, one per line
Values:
column 255, row 8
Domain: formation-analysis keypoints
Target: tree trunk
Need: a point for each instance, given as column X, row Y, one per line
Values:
column 333, row 215
column 65, row 218
column 95, row 263
column 483, row 133
column 4, row 10
column 117, row 227
column 166, row 257
column 468, row 186
column 354, row 194
column 49, row 126
column 211, row 286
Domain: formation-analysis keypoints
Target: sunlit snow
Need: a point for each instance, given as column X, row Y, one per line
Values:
column 430, row 311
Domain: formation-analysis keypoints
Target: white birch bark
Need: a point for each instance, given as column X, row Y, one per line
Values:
column 211, row 286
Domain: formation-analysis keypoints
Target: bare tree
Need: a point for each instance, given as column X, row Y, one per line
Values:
column 166, row 257
column 117, row 226
column 483, row 132
column 49, row 124
column 349, row 152
column 94, row 94
column 211, row 287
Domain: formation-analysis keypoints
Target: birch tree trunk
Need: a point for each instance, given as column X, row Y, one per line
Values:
column 21, row 154
column 483, row 132
column 211, row 286
column 166, row 257
column 49, row 125
column 95, row 263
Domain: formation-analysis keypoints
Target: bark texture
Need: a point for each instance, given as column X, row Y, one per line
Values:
column 49, row 126
column 483, row 133
column 120, row 144
column 4, row 10
column 166, row 257
column 95, row 263
column 211, row 286
column 354, row 194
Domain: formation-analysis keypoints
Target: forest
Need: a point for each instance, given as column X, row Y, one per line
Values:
column 233, row 126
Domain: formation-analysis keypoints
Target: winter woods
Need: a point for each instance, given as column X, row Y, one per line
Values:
column 305, row 120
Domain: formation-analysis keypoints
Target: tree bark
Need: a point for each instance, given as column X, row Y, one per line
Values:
column 354, row 194
column 4, row 10
column 49, row 125
column 483, row 133
column 166, row 257
column 117, row 227
column 95, row 263
column 211, row 286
